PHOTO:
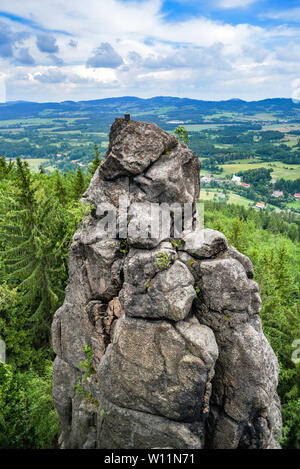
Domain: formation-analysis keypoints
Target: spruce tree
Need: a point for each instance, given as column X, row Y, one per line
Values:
column 5, row 168
column 59, row 189
column 2, row 166
column 79, row 184
column 32, row 253
column 237, row 235
column 95, row 163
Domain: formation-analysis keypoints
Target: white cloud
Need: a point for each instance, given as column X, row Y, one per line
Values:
column 167, row 75
column 291, row 14
column 131, row 48
column 105, row 56
column 183, row 57
column 49, row 76
column 96, row 21
column 46, row 43
column 235, row 3
column 23, row 56
column 73, row 74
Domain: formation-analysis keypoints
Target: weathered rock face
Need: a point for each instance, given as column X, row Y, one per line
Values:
column 177, row 357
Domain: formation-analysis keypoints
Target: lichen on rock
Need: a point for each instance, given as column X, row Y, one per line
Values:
column 179, row 359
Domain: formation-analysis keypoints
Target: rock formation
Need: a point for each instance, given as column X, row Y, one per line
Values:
column 159, row 343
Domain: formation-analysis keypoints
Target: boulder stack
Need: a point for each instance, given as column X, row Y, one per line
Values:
column 159, row 342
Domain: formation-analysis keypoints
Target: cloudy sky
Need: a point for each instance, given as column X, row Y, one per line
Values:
column 57, row 50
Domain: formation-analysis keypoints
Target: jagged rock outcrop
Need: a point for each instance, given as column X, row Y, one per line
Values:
column 177, row 357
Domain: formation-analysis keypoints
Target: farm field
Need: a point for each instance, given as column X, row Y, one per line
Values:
column 210, row 194
column 294, row 205
column 200, row 127
column 280, row 170
column 213, row 194
column 222, row 114
column 34, row 163
column 282, row 127
column 37, row 121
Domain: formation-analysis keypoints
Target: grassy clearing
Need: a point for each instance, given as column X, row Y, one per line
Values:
column 35, row 163
column 161, row 111
column 37, row 121
column 209, row 194
column 259, row 116
column 282, row 127
column 294, row 205
column 68, row 132
column 289, row 140
column 223, row 145
column 199, row 127
column 12, row 131
column 222, row 114
column 96, row 134
column 280, row 170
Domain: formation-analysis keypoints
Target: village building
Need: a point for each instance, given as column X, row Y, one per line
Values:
column 277, row 194
column 236, row 179
column 206, row 179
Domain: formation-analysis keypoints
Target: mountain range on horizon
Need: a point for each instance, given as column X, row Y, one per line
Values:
column 152, row 99
column 160, row 109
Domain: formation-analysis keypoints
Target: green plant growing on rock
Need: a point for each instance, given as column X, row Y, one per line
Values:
column 197, row 289
column 182, row 135
column 86, row 395
column 87, row 364
column 162, row 260
column 124, row 248
column 79, row 389
column 177, row 243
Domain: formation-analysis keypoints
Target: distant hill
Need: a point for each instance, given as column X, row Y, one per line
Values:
column 162, row 109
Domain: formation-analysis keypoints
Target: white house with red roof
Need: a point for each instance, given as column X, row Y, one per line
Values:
column 236, row 179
